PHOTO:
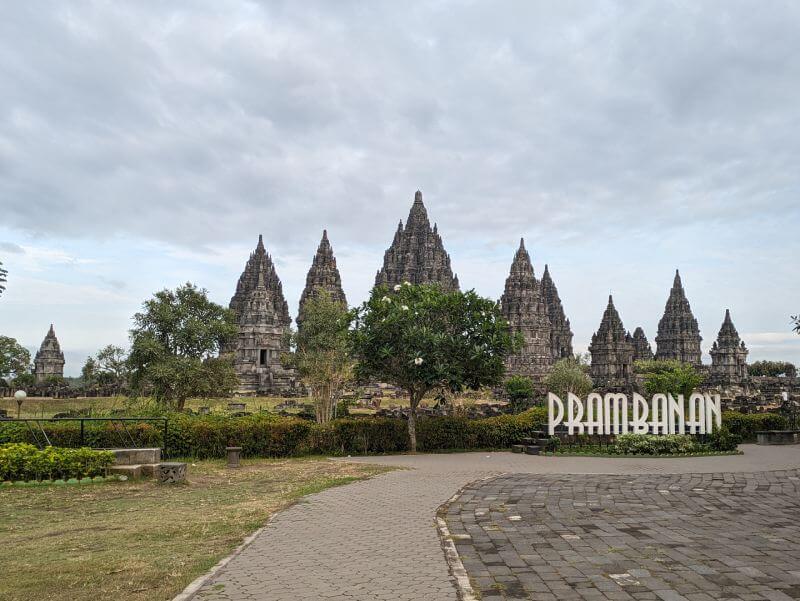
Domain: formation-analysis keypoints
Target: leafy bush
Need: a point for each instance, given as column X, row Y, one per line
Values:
column 520, row 391
column 268, row 435
column 772, row 368
column 22, row 461
column 651, row 444
column 745, row 425
column 723, row 440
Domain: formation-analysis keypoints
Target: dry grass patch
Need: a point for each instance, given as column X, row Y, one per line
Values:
column 144, row 541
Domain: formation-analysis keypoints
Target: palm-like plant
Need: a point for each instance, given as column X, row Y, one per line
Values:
column 3, row 274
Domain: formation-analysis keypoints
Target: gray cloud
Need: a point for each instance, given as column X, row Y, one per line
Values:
column 10, row 247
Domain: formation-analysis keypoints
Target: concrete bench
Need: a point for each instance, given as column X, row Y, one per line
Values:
column 770, row 437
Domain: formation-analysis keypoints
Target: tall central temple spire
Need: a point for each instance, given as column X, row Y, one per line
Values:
column 417, row 254
column 678, row 335
column 524, row 308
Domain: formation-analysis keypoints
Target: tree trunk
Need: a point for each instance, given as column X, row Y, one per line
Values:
column 412, row 421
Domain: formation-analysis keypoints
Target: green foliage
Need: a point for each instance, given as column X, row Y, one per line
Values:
column 15, row 360
column 173, row 346
column 771, row 368
column 668, row 377
column 796, row 321
column 21, row 461
column 568, row 375
column 651, row 444
column 322, row 355
column 552, row 444
column 3, row 274
column 24, row 380
column 420, row 338
column 268, row 435
column 520, row 392
column 745, row 425
column 722, row 439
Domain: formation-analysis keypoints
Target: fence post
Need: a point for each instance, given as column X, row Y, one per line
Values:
column 82, row 432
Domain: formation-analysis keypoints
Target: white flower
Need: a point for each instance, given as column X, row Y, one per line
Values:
column 404, row 307
column 397, row 287
column 406, row 283
column 418, row 361
column 386, row 299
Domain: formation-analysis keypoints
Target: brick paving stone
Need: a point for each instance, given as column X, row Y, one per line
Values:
column 376, row 539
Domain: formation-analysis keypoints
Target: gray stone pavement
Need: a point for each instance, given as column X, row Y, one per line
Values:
column 675, row 537
column 377, row 539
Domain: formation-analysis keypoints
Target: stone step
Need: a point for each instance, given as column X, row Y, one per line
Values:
column 518, row 448
column 528, row 440
column 134, row 472
column 542, row 442
column 532, row 449
column 136, row 456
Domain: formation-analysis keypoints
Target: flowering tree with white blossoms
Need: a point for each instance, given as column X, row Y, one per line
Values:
column 419, row 337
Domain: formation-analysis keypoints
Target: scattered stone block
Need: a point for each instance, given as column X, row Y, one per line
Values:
column 171, row 472
column 518, row 448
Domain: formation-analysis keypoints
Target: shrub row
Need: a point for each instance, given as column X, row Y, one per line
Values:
column 22, row 461
column 268, row 435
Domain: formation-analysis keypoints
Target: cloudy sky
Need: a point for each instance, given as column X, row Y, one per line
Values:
column 144, row 144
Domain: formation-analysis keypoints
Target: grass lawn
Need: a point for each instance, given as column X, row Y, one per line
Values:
column 141, row 540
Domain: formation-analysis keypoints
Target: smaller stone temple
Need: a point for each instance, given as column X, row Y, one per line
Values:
column 417, row 254
column 263, row 316
column 678, row 335
column 524, row 308
column 560, row 331
column 322, row 275
column 612, row 352
column 728, row 354
column 641, row 347
column 49, row 361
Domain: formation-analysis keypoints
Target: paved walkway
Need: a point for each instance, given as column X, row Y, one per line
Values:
column 377, row 539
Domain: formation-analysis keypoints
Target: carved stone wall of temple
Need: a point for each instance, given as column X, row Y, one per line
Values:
column 678, row 335
column 263, row 316
column 641, row 347
column 417, row 254
column 728, row 354
column 560, row 332
column 612, row 352
column 49, row 360
column 323, row 275
column 523, row 306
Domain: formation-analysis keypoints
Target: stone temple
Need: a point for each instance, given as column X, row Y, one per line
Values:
column 263, row 317
column 417, row 254
column 49, row 361
column 323, row 275
column 612, row 352
column 534, row 309
column 678, row 335
column 728, row 354
column 641, row 347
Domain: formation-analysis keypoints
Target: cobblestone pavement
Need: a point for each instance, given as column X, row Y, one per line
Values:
column 376, row 539
column 682, row 537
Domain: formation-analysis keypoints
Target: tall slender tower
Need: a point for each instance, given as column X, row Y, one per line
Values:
column 728, row 354
column 49, row 360
column 263, row 316
column 417, row 254
column 678, row 335
column 612, row 351
column 560, row 332
column 323, row 275
column 524, row 308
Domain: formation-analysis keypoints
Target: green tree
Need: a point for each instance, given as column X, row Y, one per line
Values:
column 3, row 274
column 15, row 360
column 322, row 353
column 174, row 344
column 796, row 320
column 111, row 366
column 520, row 391
column 668, row 377
column 771, row 368
column 568, row 375
column 89, row 372
column 420, row 338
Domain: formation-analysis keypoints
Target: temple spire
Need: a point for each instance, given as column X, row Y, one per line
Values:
column 728, row 354
column 417, row 254
column 322, row 275
column 612, row 351
column 678, row 336
column 49, row 360
column 560, row 331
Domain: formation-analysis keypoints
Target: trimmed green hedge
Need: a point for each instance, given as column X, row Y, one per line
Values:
column 745, row 425
column 22, row 461
column 267, row 435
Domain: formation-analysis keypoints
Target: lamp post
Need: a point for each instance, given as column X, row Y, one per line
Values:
column 19, row 396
